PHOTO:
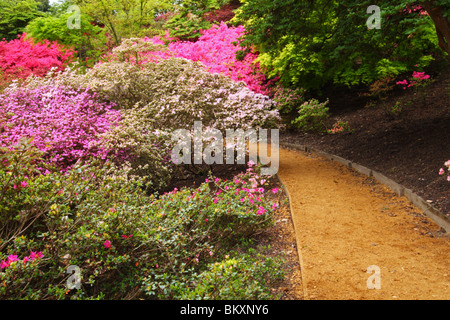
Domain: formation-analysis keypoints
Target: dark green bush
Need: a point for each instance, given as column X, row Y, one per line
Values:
column 127, row 244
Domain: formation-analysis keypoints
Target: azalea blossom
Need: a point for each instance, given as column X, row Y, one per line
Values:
column 107, row 244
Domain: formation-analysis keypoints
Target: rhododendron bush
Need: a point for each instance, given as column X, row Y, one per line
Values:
column 156, row 98
column 173, row 93
column 80, row 150
column 64, row 123
column 216, row 49
column 21, row 57
column 442, row 171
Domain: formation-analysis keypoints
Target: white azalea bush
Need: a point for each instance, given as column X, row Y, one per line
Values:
column 156, row 98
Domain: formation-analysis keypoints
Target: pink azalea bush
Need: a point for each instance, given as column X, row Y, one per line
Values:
column 22, row 57
column 442, row 170
column 417, row 78
column 216, row 49
column 64, row 123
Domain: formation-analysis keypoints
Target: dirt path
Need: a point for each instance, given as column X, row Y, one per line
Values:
column 345, row 222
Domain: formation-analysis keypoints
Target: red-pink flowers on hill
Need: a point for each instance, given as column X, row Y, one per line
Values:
column 420, row 75
column 416, row 77
column 21, row 57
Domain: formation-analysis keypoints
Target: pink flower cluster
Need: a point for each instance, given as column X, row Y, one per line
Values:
column 419, row 9
column 216, row 49
column 21, row 57
column 442, row 171
column 23, row 184
column 64, row 123
column 13, row 258
column 418, row 76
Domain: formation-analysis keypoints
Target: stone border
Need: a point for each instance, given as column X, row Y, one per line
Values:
column 440, row 219
column 299, row 249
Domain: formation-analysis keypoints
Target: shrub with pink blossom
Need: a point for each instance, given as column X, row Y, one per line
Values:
column 417, row 79
column 442, row 170
column 22, row 57
column 63, row 123
column 126, row 243
column 171, row 94
column 217, row 49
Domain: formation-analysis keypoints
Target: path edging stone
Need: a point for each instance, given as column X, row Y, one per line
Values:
column 440, row 219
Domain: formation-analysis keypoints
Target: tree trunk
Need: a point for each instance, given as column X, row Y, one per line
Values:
column 441, row 23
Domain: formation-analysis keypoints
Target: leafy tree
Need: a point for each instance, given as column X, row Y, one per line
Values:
column 15, row 15
column 315, row 43
column 122, row 18
column 190, row 19
column 439, row 11
column 88, row 40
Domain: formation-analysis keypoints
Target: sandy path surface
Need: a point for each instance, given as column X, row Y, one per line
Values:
column 345, row 222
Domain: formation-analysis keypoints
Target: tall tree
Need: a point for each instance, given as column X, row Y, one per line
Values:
column 122, row 18
column 439, row 11
column 15, row 15
column 313, row 43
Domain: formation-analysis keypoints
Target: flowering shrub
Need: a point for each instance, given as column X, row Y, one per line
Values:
column 157, row 98
column 287, row 99
column 442, row 171
column 9, row 262
column 216, row 48
column 172, row 94
column 21, row 57
column 126, row 244
column 237, row 278
column 64, row 123
column 418, row 78
column 340, row 127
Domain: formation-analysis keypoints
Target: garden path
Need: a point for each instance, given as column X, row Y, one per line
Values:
column 345, row 223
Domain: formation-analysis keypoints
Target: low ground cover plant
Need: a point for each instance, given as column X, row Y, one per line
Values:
column 127, row 244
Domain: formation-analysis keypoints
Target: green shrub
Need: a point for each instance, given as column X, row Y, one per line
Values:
column 312, row 116
column 190, row 18
column 127, row 245
column 89, row 40
column 15, row 17
column 287, row 99
column 313, row 44
column 243, row 276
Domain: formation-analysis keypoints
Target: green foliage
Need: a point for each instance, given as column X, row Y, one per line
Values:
column 127, row 244
column 397, row 109
column 124, row 18
column 312, row 116
column 286, row 99
column 189, row 20
column 89, row 40
column 15, row 15
column 313, row 43
column 244, row 276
